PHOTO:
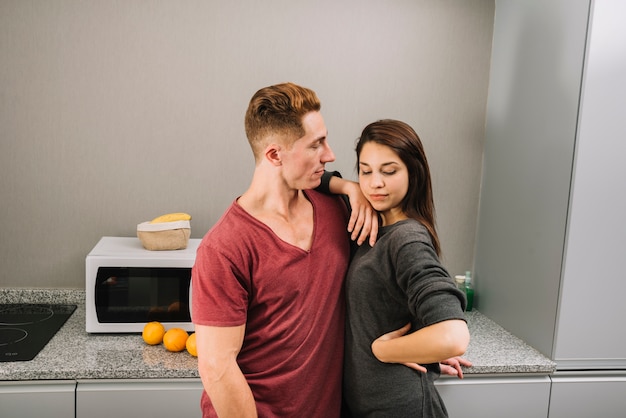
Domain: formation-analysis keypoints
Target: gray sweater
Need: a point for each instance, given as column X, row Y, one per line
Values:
column 397, row 281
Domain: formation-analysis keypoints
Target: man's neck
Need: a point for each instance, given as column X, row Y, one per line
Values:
column 288, row 212
column 270, row 194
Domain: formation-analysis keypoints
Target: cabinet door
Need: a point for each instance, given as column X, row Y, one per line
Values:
column 27, row 399
column 592, row 308
column 138, row 398
column 588, row 395
column 496, row 397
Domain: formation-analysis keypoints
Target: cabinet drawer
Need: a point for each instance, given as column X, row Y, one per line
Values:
column 138, row 398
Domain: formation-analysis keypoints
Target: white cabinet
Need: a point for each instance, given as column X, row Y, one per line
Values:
column 550, row 243
column 46, row 398
column 582, row 395
column 138, row 398
column 497, row 397
column 591, row 307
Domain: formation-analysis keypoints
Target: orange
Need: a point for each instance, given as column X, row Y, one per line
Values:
column 175, row 339
column 191, row 345
column 153, row 333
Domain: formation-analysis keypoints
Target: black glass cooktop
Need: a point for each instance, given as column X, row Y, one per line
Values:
column 25, row 329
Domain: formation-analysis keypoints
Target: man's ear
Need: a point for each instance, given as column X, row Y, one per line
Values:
column 272, row 154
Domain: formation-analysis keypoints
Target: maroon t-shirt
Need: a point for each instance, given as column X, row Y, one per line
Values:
column 291, row 301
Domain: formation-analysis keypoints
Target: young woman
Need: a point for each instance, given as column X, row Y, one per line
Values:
column 399, row 284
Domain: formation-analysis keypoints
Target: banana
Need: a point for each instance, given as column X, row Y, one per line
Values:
column 171, row 217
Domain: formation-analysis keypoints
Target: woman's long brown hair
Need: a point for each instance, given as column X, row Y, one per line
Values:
column 404, row 141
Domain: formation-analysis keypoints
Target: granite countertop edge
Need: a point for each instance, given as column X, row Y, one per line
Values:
column 74, row 354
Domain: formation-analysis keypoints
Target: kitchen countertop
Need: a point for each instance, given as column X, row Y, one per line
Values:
column 73, row 354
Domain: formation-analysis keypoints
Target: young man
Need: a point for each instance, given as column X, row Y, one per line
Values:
column 268, row 301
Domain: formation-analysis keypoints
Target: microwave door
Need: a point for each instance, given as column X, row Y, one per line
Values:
column 140, row 295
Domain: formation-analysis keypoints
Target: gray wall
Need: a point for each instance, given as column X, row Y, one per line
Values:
column 532, row 114
column 114, row 112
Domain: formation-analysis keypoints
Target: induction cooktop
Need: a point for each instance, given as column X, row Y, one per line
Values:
column 26, row 328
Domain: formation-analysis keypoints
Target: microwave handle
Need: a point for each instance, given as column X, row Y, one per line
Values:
column 190, row 308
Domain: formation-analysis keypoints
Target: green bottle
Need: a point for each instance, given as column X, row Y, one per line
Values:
column 460, row 282
column 469, row 291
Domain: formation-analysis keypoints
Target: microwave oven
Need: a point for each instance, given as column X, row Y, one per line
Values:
column 128, row 286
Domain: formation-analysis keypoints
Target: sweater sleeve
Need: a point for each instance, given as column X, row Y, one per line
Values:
column 432, row 294
column 324, row 186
